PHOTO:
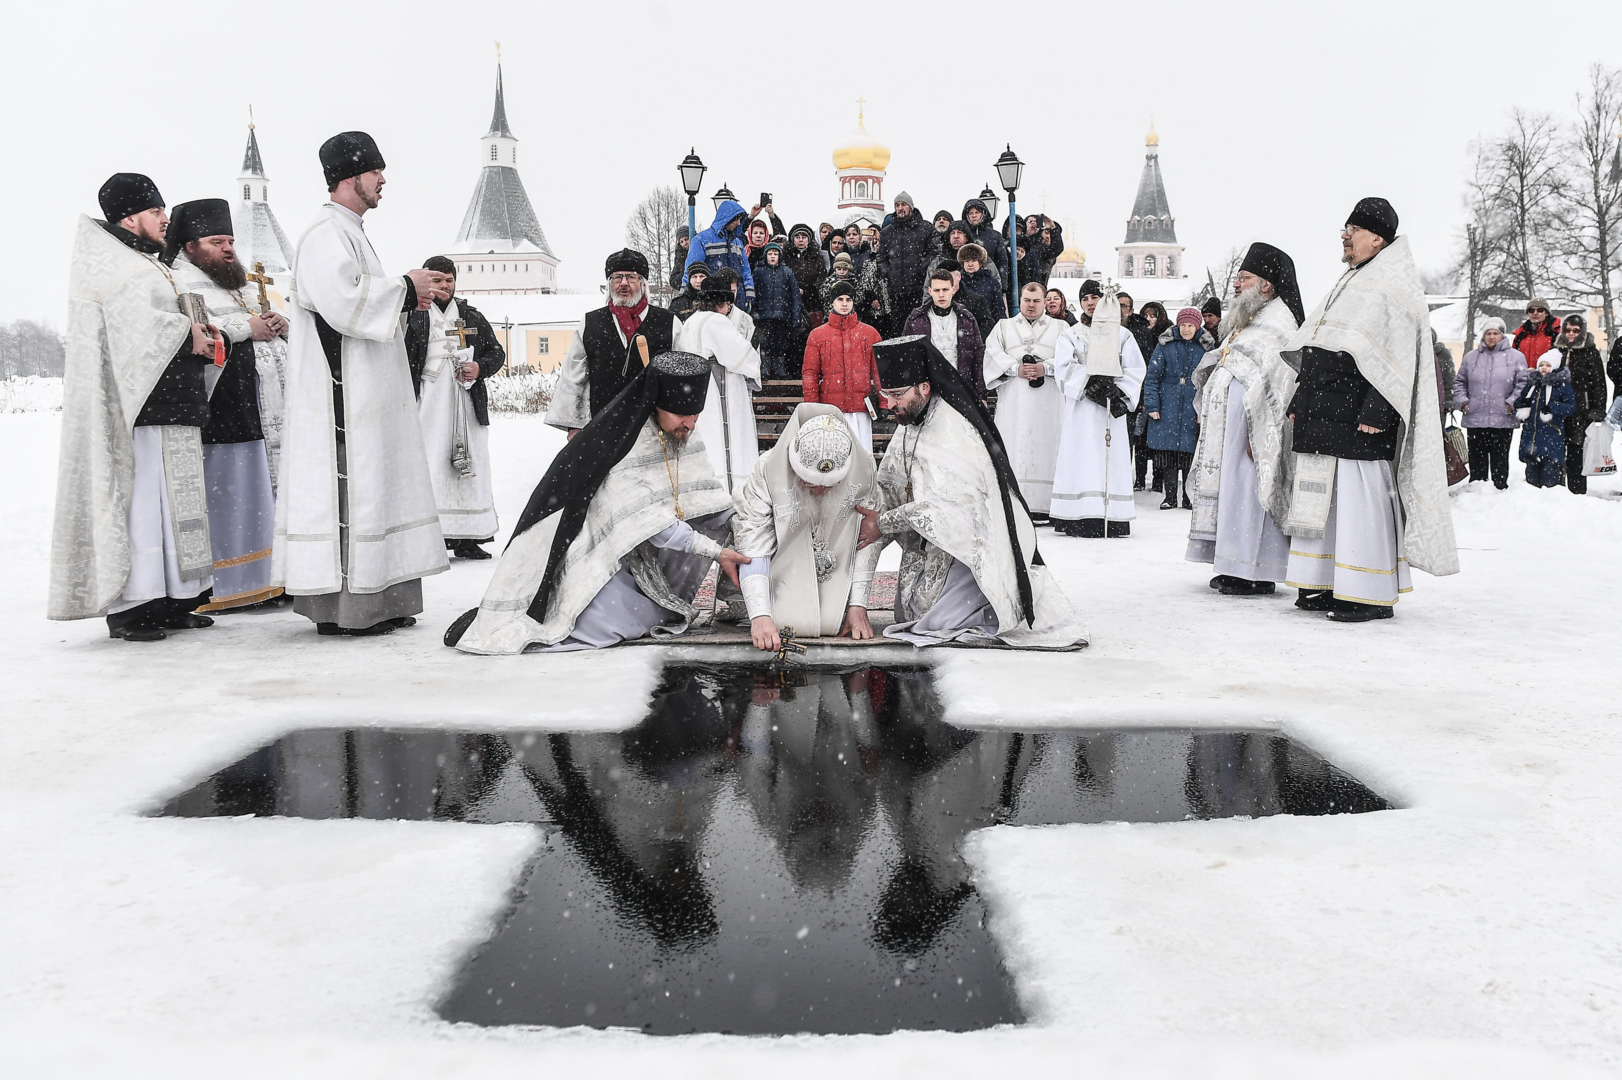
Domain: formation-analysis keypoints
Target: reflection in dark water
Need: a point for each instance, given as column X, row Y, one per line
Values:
column 763, row 858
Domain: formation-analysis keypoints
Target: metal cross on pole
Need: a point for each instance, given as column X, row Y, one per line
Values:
column 262, row 279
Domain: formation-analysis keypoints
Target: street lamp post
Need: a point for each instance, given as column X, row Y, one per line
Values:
column 692, row 175
column 989, row 197
column 1009, row 170
column 722, row 194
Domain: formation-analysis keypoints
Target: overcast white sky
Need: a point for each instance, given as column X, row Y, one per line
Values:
column 1274, row 118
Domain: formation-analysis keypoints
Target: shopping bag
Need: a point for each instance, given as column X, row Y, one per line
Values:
column 1456, row 452
column 1597, row 457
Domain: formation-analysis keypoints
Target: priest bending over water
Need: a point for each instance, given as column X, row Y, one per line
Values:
column 800, row 516
column 619, row 533
column 970, row 569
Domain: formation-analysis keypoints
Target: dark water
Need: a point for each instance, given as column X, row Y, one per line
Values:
column 762, row 858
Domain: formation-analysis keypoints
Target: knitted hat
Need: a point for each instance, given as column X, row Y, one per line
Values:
column 700, row 267
column 1190, row 315
column 1212, row 306
column 903, row 197
column 1494, row 323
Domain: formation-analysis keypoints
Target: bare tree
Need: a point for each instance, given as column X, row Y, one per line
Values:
column 1591, row 199
column 1480, row 264
column 1525, row 184
column 651, row 229
column 31, row 348
column 1221, row 276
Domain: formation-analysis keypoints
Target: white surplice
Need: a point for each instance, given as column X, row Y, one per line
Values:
column 393, row 529
column 735, row 371
column 1028, row 417
column 1093, row 477
column 466, row 503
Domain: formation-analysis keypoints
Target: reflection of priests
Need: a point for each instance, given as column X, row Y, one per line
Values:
column 727, row 424
column 619, row 533
column 1239, row 480
column 356, row 528
column 797, row 521
column 453, row 403
column 969, row 564
column 1100, row 371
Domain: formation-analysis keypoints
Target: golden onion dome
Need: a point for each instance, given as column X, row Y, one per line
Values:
column 862, row 151
column 1073, row 254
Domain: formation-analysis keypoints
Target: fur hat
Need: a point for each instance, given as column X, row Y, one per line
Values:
column 844, row 259
column 972, row 251
column 626, row 261
column 822, row 451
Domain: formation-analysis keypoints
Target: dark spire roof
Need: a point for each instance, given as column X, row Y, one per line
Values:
column 251, row 163
column 1151, row 203
column 498, row 121
column 500, row 211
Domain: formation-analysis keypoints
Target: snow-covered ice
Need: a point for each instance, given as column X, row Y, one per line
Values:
column 1472, row 932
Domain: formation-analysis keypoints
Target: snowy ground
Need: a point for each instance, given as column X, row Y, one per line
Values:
column 1471, row 933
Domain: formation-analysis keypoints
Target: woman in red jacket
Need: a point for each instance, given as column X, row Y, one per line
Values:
column 839, row 368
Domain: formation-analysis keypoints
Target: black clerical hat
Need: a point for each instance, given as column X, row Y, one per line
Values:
column 1273, row 265
column 349, row 153
column 127, row 193
column 683, row 382
column 1377, row 216
column 903, row 361
column 626, row 261
column 199, row 218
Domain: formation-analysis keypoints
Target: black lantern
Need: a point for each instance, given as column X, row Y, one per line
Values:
column 989, row 197
column 1009, row 169
column 722, row 194
column 692, row 174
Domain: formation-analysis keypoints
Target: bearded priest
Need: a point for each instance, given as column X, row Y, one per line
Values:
column 201, row 249
column 797, row 519
column 130, row 539
column 448, row 372
column 604, row 357
column 356, row 524
column 1030, row 408
column 1369, row 495
column 619, row 533
column 1240, row 481
column 970, row 568
column 1100, row 372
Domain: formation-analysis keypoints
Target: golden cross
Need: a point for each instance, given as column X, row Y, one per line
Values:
column 462, row 333
column 498, row 52
column 262, row 279
column 860, row 113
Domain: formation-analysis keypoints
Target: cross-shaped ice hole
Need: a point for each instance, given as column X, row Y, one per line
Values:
column 765, row 853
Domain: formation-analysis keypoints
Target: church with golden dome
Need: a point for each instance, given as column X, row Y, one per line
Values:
column 860, row 164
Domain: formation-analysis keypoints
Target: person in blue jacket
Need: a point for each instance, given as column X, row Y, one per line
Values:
column 1542, row 404
column 777, row 312
column 722, row 246
column 1168, row 398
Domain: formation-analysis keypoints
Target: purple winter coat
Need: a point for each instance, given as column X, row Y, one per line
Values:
column 1488, row 381
column 971, row 347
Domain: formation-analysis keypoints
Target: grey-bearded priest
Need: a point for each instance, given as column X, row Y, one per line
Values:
column 356, row 524
column 970, row 569
column 1240, row 480
column 1369, row 498
column 201, row 249
column 797, row 520
column 131, row 538
column 448, row 373
column 619, row 533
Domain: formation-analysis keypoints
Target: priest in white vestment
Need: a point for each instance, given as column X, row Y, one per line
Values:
column 201, row 251
column 970, row 568
column 727, row 425
column 130, row 539
column 356, row 523
column 1030, row 407
column 1100, row 372
column 798, row 522
column 1368, row 499
column 1239, row 481
column 453, row 349
column 620, row 532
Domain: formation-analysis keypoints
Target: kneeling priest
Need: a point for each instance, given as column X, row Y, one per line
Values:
column 619, row 533
column 797, row 519
column 970, row 569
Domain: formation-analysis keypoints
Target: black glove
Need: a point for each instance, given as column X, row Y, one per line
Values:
column 1098, row 389
column 1117, row 400
column 1040, row 379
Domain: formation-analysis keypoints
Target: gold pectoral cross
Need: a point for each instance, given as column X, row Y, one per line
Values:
column 462, row 332
column 260, row 278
